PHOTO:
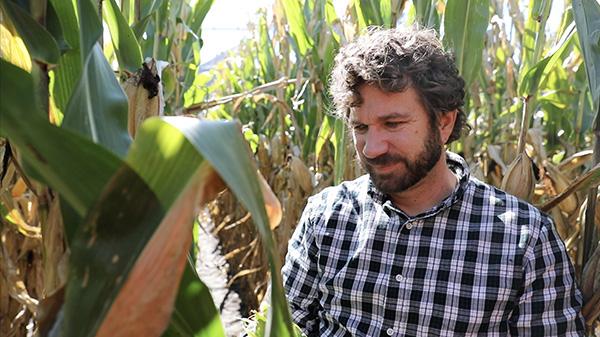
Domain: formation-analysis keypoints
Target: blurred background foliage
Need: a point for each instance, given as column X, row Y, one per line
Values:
column 531, row 69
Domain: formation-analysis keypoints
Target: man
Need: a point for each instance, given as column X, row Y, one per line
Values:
column 418, row 247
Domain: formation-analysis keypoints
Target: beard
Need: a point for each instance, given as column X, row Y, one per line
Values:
column 415, row 171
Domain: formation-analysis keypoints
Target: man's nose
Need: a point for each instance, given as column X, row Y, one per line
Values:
column 375, row 145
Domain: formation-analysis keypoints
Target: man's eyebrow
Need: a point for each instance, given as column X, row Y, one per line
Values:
column 391, row 115
column 394, row 115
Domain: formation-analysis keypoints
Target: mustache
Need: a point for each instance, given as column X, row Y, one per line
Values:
column 385, row 159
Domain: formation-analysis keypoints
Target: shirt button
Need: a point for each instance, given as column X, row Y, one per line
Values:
column 409, row 225
column 390, row 332
column 399, row 278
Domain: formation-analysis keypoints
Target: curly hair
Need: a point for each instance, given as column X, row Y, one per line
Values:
column 393, row 60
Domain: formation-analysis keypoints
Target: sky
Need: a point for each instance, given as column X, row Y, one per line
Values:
column 227, row 23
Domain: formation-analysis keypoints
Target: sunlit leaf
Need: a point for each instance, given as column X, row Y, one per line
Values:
column 297, row 26
column 465, row 24
column 69, row 66
column 13, row 49
column 124, row 41
column 534, row 36
column 587, row 17
column 98, row 106
column 39, row 41
column 78, row 181
column 537, row 74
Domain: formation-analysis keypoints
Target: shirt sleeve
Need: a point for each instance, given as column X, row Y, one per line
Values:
column 551, row 302
column 300, row 276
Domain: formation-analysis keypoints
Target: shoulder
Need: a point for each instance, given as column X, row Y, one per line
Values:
column 348, row 192
column 517, row 216
column 337, row 205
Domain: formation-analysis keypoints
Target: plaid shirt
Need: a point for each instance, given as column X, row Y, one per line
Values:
column 481, row 263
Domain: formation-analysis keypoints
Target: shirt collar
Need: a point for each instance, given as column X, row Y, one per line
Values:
column 455, row 163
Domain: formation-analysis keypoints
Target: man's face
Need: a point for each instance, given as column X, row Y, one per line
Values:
column 394, row 139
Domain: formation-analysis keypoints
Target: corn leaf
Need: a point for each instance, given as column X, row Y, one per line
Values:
column 90, row 27
column 297, row 26
column 221, row 143
column 538, row 74
column 69, row 66
column 587, row 18
column 534, row 36
column 426, row 14
column 124, row 41
column 98, row 106
column 39, row 41
column 114, row 234
column 195, row 313
column 195, row 22
column 465, row 23
column 79, row 181
column 55, row 29
column 13, row 49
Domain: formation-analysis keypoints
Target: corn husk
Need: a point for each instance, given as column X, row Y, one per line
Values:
column 143, row 103
column 519, row 179
column 561, row 182
column 575, row 161
column 301, row 174
column 560, row 223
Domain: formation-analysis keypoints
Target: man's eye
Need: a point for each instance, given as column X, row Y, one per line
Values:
column 360, row 128
column 392, row 125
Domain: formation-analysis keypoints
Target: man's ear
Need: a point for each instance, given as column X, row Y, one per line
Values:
column 446, row 124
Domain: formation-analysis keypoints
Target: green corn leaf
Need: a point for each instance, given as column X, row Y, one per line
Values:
column 195, row 313
column 98, row 106
column 587, row 18
column 385, row 10
column 426, row 13
column 325, row 133
column 39, row 41
column 221, row 143
column 124, row 41
column 297, row 25
column 139, row 28
column 538, row 74
column 69, row 66
column 113, row 235
column 195, row 22
column 265, row 51
column 534, row 37
column 465, row 23
column 90, row 29
column 54, row 27
column 49, row 150
column 361, row 16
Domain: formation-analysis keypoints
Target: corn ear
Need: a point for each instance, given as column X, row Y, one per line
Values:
column 519, row 179
column 560, row 182
column 301, row 173
column 144, row 94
